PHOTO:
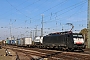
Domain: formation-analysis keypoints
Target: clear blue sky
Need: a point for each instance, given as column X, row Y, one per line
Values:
column 24, row 15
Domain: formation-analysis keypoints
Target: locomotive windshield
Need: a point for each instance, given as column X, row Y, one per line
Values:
column 77, row 36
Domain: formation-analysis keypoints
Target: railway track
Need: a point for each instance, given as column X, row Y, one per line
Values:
column 37, row 54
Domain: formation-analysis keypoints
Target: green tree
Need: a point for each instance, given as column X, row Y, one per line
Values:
column 84, row 33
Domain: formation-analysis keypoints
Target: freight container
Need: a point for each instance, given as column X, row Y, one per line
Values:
column 26, row 41
column 8, row 41
column 18, row 41
column 13, row 42
column 21, row 42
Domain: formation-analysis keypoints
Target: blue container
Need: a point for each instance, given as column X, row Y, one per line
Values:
column 13, row 41
column 8, row 41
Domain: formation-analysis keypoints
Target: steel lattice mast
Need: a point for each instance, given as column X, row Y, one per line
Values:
column 88, row 24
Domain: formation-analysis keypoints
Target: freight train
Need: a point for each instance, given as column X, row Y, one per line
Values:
column 60, row 40
column 64, row 40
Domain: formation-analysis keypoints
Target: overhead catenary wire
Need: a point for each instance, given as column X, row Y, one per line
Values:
column 54, row 14
column 72, row 7
column 76, row 5
column 22, row 3
column 66, row 12
column 77, row 12
column 16, row 6
column 51, row 8
column 16, row 9
column 31, row 4
column 35, row 2
column 22, row 8
column 44, row 11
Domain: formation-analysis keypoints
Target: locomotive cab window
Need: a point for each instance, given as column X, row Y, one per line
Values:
column 80, row 36
column 77, row 36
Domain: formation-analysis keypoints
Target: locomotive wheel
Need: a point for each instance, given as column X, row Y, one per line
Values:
column 70, row 50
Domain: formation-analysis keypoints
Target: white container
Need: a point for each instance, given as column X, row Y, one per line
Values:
column 27, row 41
column 21, row 41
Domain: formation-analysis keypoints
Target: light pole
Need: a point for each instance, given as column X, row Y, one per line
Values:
column 42, row 27
column 88, row 24
column 36, row 31
column 11, row 24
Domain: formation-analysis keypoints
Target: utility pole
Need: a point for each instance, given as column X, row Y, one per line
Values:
column 88, row 24
column 36, row 31
column 10, row 30
column 42, row 27
column 31, row 34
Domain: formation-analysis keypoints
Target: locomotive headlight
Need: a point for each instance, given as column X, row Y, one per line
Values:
column 78, row 40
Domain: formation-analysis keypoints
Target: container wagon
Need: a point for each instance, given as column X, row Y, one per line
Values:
column 13, row 42
column 18, row 42
column 26, row 41
column 8, row 42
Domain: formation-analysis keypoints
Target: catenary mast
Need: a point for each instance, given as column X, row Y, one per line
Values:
column 88, row 24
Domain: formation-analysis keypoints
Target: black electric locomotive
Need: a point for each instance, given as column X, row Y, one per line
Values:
column 64, row 40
